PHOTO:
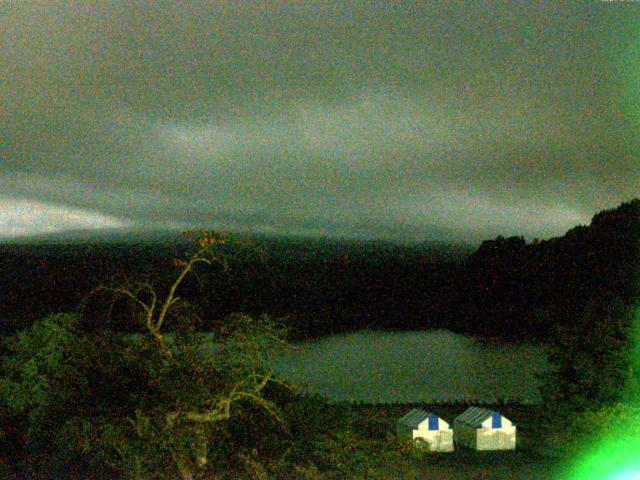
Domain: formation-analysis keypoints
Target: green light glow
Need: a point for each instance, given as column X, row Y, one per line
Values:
column 615, row 455
column 613, row 459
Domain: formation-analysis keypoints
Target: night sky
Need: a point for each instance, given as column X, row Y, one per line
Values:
column 396, row 120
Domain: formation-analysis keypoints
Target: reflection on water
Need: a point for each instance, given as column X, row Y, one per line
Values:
column 413, row 367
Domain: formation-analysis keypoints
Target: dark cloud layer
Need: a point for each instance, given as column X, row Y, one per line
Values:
column 404, row 120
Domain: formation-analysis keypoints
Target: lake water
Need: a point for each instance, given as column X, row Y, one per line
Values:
column 429, row 366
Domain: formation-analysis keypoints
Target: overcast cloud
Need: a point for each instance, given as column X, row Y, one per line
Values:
column 402, row 120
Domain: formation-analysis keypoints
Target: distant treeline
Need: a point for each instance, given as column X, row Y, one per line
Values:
column 506, row 288
column 516, row 289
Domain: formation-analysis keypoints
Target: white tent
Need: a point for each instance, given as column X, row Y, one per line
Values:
column 482, row 429
column 418, row 424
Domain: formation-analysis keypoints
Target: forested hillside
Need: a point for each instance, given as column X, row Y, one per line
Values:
column 514, row 288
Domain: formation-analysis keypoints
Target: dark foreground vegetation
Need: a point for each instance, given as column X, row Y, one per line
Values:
column 117, row 386
column 345, row 441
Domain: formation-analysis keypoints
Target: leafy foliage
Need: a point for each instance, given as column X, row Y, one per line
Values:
column 140, row 405
column 592, row 360
column 334, row 441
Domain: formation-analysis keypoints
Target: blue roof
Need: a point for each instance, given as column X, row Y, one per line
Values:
column 475, row 416
column 415, row 417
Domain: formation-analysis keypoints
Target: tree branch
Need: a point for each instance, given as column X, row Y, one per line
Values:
column 222, row 410
column 170, row 297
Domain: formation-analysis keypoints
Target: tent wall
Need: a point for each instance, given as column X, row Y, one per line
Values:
column 496, row 439
column 438, row 440
column 485, row 438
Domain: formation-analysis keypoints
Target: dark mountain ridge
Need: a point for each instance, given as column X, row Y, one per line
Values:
column 505, row 288
column 514, row 287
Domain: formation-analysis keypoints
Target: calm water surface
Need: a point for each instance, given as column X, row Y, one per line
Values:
column 427, row 366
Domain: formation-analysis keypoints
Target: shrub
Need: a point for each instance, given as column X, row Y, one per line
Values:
column 592, row 361
column 146, row 405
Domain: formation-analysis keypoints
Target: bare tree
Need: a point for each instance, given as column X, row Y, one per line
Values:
column 242, row 359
